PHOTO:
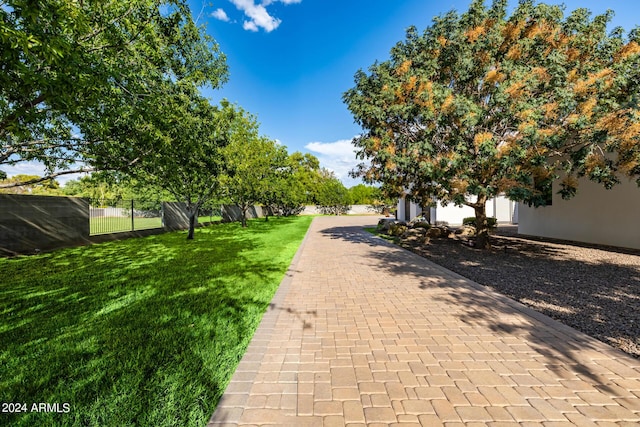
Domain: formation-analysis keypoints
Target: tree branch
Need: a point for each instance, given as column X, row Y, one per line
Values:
column 47, row 177
column 19, row 111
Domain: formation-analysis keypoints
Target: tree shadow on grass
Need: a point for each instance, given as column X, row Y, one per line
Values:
column 138, row 332
column 475, row 306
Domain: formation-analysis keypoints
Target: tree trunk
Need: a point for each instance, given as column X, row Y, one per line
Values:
column 244, row 209
column 193, row 215
column 482, row 228
column 192, row 225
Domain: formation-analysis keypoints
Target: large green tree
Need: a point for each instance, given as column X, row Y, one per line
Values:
column 285, row 192
column 104, row 188
column 71, row 69
column 101, row 192
column 482, row 104
column 39, row 187
column 187, row 158
column 254, row 167
column 363, row 194
column 305, row 173
column 332, row 197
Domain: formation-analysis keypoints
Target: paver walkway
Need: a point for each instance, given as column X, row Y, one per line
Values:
column 365, row 333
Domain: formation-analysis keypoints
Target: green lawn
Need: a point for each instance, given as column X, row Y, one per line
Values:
column 104, row 225
column 202, row 219
column 140, row 332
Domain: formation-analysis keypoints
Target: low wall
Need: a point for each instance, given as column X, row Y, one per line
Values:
column 175, row 216
column 232, row 213
column 32, row 223
column 354, row 210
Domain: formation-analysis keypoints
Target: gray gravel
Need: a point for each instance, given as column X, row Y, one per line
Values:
column 594, row 289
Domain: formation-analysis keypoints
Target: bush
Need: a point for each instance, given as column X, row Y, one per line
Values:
column 471, row 220
column 385, row 224
column 397, row 230
column 421, row 224
column 284, row 209
column 339, row 209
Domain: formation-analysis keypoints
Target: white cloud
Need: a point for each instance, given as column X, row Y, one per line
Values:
column 250, row 26
column 338, row 156
column 268, row 2
column 221, row 15
column 258, row 15
column 340, row 148
column 24, row 168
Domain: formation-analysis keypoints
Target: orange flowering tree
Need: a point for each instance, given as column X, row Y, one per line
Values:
column 483, row 104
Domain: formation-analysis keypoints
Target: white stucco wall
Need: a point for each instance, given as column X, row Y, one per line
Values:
column 401, row 209
column 500, row 208
column 451, row 214
column 503, row 209
column 415, row 210
column 403, row 215
column 594, row 215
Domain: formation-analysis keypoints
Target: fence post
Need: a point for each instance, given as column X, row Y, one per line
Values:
column 133, row 228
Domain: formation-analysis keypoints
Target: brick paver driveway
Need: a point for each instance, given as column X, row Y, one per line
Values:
column 365, row 333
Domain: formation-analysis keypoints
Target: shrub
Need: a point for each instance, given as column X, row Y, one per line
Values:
column 471, row 220
column 339, row 209
column 421, row 224
column 385, row 224
column 397, row 230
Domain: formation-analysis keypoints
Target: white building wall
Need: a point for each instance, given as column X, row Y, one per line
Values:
column 451, row 214
column 502, row 209
column 406, row 210
column 401, row 209
column 415, row 210
column 594, row 215
column 499, row 207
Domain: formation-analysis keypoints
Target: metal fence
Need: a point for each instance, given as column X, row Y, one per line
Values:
column 210, row 213
column 116, row 216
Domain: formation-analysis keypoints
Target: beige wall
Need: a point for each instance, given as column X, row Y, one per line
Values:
column 594, row 215
column 355, row 210
column 233, row 213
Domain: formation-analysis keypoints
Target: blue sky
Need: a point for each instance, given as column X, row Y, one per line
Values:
column 291, row 60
